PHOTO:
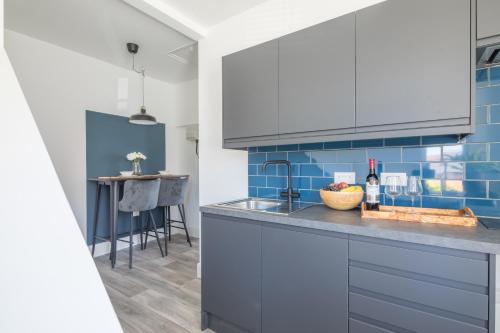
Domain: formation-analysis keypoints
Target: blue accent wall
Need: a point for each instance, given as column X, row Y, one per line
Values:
column 454, row 175
column 109, row 139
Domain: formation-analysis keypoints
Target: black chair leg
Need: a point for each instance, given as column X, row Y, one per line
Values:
column 169, row 223
column 96, row 216
column 165, row 229
column 131, row 244
column 141, row 229
column 147, row 232
column 182, row 211
column 153, row 222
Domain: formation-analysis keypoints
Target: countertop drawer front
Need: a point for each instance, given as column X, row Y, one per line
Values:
column 454, row 266
column 416, row 288
column 408, row 319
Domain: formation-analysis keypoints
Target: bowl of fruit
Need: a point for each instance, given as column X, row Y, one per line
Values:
column 341, row 196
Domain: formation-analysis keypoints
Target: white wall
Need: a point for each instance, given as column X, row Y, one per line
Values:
column 48, row 281
column 60, row 85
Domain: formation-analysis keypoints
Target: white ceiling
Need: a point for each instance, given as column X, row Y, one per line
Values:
column 101, row 29
column 210, row 12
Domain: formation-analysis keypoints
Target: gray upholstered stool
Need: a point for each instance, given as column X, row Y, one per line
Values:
column 140, row 196
column 173, row 193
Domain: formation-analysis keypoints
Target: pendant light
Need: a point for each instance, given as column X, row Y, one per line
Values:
column 141, row 118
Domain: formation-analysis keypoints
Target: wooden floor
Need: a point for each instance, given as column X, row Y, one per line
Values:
column 157, row 294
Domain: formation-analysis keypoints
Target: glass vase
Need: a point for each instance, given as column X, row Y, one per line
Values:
column 136, row 168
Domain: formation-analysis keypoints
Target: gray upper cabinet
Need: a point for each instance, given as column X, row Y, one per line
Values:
column 250, row 92
column 316, row 77
column 413, row 64
column 488, row 21
column 304, row 282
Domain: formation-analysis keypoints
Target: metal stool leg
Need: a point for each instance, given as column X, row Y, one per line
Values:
column 182, row 211
column 165, row 229
column 153, row 222
column 141, row 230
column 169, row 223
column 147, row 231
column 131, row 244
column 96, row 216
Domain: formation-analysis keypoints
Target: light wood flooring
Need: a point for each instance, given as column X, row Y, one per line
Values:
column 158, row 295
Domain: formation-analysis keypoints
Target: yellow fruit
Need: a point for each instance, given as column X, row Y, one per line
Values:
column 353, row 189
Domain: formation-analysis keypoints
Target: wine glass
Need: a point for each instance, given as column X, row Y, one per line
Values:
column 393, row 188
column 413, row 189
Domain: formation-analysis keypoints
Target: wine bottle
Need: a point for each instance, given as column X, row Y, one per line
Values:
column 372, row 188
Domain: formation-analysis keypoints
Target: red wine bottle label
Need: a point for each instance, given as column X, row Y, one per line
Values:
column 372, row 193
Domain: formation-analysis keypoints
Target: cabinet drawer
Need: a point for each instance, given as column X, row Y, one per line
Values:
column 357, row 326
column 463, row 302
column 406, row 317
column 469, row 268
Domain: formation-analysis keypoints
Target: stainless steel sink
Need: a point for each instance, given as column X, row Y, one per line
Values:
column 266, row 206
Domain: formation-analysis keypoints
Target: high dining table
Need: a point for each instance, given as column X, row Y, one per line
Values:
column 114, row 182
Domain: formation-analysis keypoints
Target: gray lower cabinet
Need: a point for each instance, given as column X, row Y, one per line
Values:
column 488, row 22
column 304, row 281
column 316, row 76
column 402, row 287
column 231, row 271
column 413, row 64
column 250, row 92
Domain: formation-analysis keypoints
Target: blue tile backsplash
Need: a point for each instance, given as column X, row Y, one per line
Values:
column 455, row 175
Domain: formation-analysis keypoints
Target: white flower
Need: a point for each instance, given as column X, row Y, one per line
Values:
column 136, row 156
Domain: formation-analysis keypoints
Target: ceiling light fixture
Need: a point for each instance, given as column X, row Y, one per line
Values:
column 141, row 118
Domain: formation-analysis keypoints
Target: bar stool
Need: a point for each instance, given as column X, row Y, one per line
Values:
column 173, row 193
column 140, row 196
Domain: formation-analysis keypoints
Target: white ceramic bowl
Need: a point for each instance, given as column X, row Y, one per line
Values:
column 126, row 173
column 164, row 172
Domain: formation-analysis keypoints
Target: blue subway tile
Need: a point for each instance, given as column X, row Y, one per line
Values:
column 495, row 75
column 450, row 170
column 288, row 148
column 338, row 145
column 482, row 77
column 482, row 115
column 266, row 149
column 252, row 170
column 494, row 190
column 407, row 141
column 277, row 182
column 311, row 146
column 269, row 171
column 385, row 154
column 299, row 157
column 283, row 170
column 460, row 188
column 368, row 143
column 256, row 158
column 301, row 182
column 351, row 156
column 252, row 149
column 411, row 169
column 406, row 201
column 257, row 181
column 495, row 114
column 276, row 156
column 483, row 170
column 495, row 152
column 432, row 187
column 313, row 170
column 482, row 207
column 488, row 95
column 361, row 170
column 446, row 203
column 265, row 192
column 319, row 183
column 422, row 154
column 439, row 139
column 310, row 196
column 252, row 191
column 467, row 152
column 324, row 156
column 330, row 169
column 486, row 133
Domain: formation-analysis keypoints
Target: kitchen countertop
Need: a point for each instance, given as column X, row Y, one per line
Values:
column 320, row 217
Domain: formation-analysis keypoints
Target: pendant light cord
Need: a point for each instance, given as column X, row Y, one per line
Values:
column 143, row 73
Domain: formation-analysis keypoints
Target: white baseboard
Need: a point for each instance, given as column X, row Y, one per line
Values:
column 105, row 247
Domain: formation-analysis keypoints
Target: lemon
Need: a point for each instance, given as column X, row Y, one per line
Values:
column 353, row 189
